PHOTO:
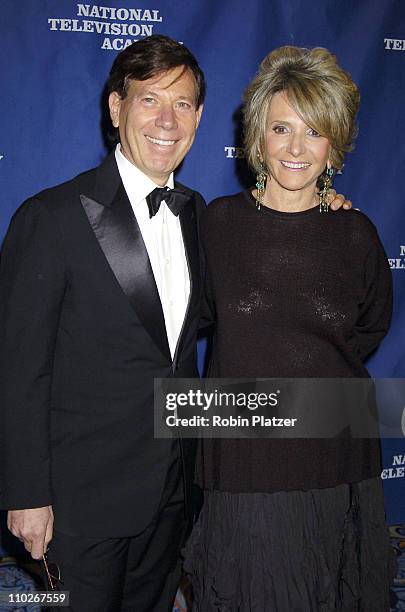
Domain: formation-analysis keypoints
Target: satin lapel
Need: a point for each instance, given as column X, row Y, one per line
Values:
column 120, row 239
column 188, row 222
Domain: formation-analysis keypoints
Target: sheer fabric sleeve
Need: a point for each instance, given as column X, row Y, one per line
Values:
column 376, row 310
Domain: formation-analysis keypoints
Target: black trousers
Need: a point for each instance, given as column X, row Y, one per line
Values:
column 135, row 574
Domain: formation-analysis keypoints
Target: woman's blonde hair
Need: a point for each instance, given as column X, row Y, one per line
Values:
column 321, row 93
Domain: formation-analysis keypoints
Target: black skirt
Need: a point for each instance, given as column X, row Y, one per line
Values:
column 296, row 551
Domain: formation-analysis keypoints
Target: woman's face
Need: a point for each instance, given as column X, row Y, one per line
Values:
column 295, row 155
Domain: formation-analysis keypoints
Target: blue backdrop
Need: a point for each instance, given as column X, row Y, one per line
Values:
column 55, row 58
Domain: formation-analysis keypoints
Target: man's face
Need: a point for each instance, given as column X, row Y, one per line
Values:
column 157, row 121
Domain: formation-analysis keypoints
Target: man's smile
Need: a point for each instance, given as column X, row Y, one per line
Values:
column 158, row 141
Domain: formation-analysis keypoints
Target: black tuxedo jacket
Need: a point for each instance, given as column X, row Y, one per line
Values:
column 82, row 336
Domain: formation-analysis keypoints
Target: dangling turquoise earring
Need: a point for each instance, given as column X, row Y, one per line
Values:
column 323, row 194
column 261, row 185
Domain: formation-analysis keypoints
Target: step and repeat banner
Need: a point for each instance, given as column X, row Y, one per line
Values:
column 55, row 58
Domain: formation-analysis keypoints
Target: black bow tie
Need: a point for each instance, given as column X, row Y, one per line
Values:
column 174, row 198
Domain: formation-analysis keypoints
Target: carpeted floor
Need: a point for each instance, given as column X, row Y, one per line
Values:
column 397, row 533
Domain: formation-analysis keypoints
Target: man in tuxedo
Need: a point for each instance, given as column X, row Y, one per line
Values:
column 100, row 289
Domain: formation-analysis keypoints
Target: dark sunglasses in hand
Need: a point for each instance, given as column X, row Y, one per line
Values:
column 51, row 573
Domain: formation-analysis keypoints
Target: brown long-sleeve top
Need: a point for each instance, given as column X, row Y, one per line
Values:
column 304, row 294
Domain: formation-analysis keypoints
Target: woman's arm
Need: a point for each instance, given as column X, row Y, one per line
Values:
column 376, row 310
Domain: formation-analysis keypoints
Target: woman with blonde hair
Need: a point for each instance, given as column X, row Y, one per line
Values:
column 293, row 524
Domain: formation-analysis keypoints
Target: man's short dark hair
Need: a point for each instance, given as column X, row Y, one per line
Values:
column 149, row 57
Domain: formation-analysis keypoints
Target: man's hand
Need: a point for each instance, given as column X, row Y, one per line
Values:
column 337, row 200
column 34, row 527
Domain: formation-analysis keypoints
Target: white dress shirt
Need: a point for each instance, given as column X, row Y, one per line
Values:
column 164, row 243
